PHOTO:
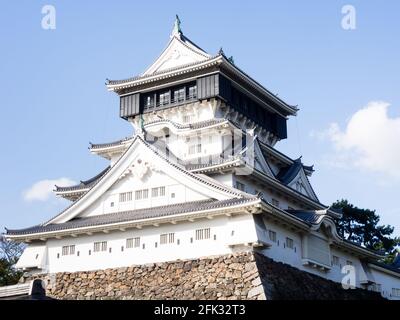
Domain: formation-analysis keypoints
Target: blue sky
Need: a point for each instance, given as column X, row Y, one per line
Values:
column 345, row 82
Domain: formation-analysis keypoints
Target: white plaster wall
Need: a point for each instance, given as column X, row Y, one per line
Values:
column 222, row 227
column 174, row 193
column 278, row 252
column 388, row 282
column 253, row 188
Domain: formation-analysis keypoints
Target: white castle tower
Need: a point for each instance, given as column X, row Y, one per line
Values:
column 199, row 177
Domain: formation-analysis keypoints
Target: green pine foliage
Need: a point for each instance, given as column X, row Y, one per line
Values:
column 362, row 227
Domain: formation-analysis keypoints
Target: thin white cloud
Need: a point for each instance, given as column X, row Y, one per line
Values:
column 43, row 189
column 370, row 141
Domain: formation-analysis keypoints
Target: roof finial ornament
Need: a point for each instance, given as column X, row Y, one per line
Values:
column 221, row 52
column 176, row 31
column 231, row 60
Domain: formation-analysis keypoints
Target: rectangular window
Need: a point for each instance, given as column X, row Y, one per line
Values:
column 162, row 191
column 202, row 234
column 335, row 261
column 179, row 95
column 141, row 194
column 129, row 243
column 275, row 202
column 167, row 238
column 395, row 292
column 148, row 101
column 192, row 92
column 154, row 192
column 158, row 192
column 163, row 238
column 240, row 186
column 125, row 196
column 68, row 250
column 289, row 243
column 136, row 242
column 65, row 250
column 97, row 246
column 164, row 98
column 133, row 243
column 272, row 235
column 100, row 246
column 188, row 118
column 138, row 194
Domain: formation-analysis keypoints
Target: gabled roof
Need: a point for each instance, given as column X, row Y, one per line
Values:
column 288, row 174
column 178, row 52
column 202, row 184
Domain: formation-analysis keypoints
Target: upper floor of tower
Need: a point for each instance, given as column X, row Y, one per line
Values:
column 188, row 81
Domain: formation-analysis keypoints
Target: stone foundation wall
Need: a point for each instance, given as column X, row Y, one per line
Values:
column 224, row 277
column 237, row 276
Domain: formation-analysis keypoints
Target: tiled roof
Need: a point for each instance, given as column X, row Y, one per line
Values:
column 390, row 267
column 288, row 173
column 109, row 144
column 195, row 125
column 134, row 215
column 124, row 81
column 83, row 184
column 310, row 216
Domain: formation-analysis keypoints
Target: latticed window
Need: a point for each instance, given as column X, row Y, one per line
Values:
column 133, row 242
column 167, row 238
column 97, row 246
column 100, row 246
column 141, row 194
column 136, row 242
column 125, row 196
column 275, row 202
column 335, row 261
column 179, row 95
column 192, row 92
column 289, row 243
column 163, row 238
column 162, row 191
column 65, row 250
column 154, row 192
column 202, row 234
column 164, row 98
column 68, row 250
column 395, row 292
column 272, row 235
